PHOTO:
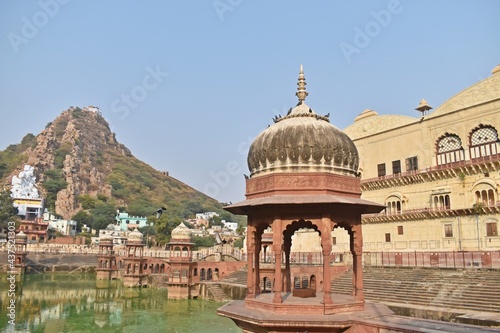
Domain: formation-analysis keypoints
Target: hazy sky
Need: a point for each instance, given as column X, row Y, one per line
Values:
column 187, row 85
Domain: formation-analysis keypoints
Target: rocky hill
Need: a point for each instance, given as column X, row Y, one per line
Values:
column 77, row 155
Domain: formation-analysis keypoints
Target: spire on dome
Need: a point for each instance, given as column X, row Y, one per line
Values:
column 301, row 89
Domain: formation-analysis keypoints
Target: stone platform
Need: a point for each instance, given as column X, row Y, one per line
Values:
column 305, row 305
column 374, row 318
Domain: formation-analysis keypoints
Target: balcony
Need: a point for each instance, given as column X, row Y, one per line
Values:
column 33, row 222
column 473, row 166
column 36, row 232
column 429, row 213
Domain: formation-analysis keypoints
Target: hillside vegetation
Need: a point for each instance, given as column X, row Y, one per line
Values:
column 77, row 157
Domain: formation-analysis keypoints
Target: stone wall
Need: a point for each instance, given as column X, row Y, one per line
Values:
column 44, row 262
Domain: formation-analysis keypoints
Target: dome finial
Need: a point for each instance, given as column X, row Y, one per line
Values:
column 301, row 89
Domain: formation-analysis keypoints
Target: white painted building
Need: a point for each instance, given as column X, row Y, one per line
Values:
column 230, row 225
column 206, row 215
column 65, row 227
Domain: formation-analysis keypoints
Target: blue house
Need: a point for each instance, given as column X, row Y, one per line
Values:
column 127, row 222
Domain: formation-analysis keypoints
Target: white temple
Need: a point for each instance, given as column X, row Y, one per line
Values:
column 24, row 186
column 25, row 194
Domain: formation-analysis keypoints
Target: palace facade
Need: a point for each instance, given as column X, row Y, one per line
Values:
column 438, row 175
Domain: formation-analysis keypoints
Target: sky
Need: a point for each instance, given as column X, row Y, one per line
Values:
column 188, row 85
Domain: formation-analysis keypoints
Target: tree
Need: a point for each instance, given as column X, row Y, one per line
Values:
column 215, row 220
column 7, row 210
column 82, row 218
column 53, row 183
column 238, row 243
column 240, row 230
column 191, row 208
column 207, row 241
column 87, row 201
column 102, row 215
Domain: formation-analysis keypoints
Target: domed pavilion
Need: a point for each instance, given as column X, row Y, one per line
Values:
column 134, row 262
column 20, row 241
column 303, row 175
column 182, row 268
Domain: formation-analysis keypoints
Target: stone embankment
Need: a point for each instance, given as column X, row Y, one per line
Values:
column 49, row 262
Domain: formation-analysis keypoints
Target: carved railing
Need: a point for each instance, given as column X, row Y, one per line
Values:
column 453, row 259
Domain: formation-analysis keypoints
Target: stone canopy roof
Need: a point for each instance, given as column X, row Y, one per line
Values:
column 302, row 141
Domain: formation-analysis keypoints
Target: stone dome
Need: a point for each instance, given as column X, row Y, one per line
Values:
column 181, row 232
column 302, row 141
column 135, row 235
column 106, row 236
column 21, row 236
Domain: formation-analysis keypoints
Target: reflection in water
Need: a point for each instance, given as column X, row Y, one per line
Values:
column 54, row 303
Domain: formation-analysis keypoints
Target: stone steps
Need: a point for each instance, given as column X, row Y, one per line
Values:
column 216, row 292
column 238, row 277
column 472, row 290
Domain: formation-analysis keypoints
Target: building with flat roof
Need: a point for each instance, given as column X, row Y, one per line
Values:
column 127, row 222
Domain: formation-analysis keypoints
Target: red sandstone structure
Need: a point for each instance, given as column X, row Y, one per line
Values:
column 304, row 174
column 182, row 268
column 135, row 264
column 21, row 242
column 35, row 229
column 178, row 269
column 106, row 259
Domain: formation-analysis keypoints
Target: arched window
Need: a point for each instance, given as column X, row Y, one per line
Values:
column 266, row 285
column 485, row 192
column 185, row 252
column 449, row 149
column 394, row 204
column 441, row 202
column 305, row 281
column 296, row 282
column 313, row 282
column 177, row 251
column 483, row 142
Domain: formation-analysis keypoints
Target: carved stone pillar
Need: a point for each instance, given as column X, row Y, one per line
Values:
column 277, row 248
column 326, row 244
column 288, row 275
column 250, row 258
column 258, row 246
column 357, row 263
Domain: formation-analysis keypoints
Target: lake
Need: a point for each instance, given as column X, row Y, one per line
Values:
column 54, row 303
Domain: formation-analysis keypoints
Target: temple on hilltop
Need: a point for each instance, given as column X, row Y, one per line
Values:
column 303, row 176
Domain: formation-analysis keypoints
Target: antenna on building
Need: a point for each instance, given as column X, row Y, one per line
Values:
column 423, row 107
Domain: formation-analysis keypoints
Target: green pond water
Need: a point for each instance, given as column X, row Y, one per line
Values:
column 54, row 303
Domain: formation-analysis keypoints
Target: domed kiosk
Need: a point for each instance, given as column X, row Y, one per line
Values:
column 135, row 263
column 106, row 258
column 303, row 174
column 182, row 268
column 21, row 242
